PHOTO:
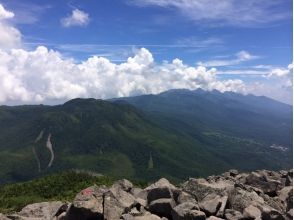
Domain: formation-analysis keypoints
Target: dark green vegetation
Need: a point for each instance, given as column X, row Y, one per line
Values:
column 62, row 187
column 175, row 134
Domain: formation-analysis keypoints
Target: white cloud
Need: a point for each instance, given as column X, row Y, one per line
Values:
column 228, row 12
column 282, row 72
column 241, row 56
column 43, row 75
column 77, row 18
column 5, row 14
column 10, row 37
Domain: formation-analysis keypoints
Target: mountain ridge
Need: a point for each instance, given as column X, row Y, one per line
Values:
column 182, row 132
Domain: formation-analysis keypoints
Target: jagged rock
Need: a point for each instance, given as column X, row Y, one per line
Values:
column 161, row 189
column 185, row 197
column 231, row 214
column 140, row 203
column 124, row 184
column 273, row 202
column 159, row 193
column 145, row 216
column 214, row 205
column 200, row 188
column 239, row 199
column 116, row 202
column 233, row 172
column 269, row 213
column 286, row 197
column 187, row 211
column 210, row 204
column 262, row 181
column 88, row 204
column 137, row 191
column 43, row 210
column 3, row 217
column 162, row 207
column 234, row 196
column 290, row 214
column 252, row 212
column 221, row 211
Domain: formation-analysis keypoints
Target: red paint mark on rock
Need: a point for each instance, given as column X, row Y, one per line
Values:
column 87, row 191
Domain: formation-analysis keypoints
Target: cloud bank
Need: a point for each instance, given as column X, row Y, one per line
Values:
column 42, row 75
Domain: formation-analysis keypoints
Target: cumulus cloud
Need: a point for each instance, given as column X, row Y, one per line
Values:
column 77, row 18
column 5, row 14
column 10, row 37
column 241, row 56
column 42, row 75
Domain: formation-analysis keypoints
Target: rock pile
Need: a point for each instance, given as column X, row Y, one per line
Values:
column 257, row 195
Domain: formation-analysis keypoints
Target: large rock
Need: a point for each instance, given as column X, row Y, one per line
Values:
column 187, row 211
column 3, row 217
column 263, row 181
column 252, row 212
column 43, row 210
column 161, row 189
column 123, row 184
column 239, row 199
column 286, row 197
column 214, row 205
column 269, row 213
column 221, row 210
column 185, row 197
column 145, row 216
column 231, row 214
column 117, row 202
column 210, row 204
column 162, row 207
column 200, row 188
column 88, row 204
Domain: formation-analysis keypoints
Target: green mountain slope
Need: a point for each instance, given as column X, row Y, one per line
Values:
column 243, row 131
column 62, row 187
column 176, row 134
column 112, row 139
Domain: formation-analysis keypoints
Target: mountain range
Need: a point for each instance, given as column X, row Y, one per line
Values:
column 175, row 134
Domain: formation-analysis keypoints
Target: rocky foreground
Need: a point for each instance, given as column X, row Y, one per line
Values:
column 258, row 195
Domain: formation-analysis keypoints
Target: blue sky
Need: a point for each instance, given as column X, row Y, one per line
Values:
column 248, row 41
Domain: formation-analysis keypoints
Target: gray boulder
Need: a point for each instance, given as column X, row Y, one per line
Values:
column 210, row 204
column 252, row 212
column 160, row 189
column 162, row 207
column 185, row 197
column 239, row 199
column 43, row 210
column 231, row 214
column 88, row 204
column 200, row 188
column 187, row 211
column 117, row 202
column 3, row 217
column 264, row 182
column 286, row 197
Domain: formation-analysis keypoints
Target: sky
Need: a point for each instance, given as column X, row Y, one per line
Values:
column 57, row 50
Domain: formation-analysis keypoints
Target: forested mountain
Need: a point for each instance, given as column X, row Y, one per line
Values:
column 176, row 134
